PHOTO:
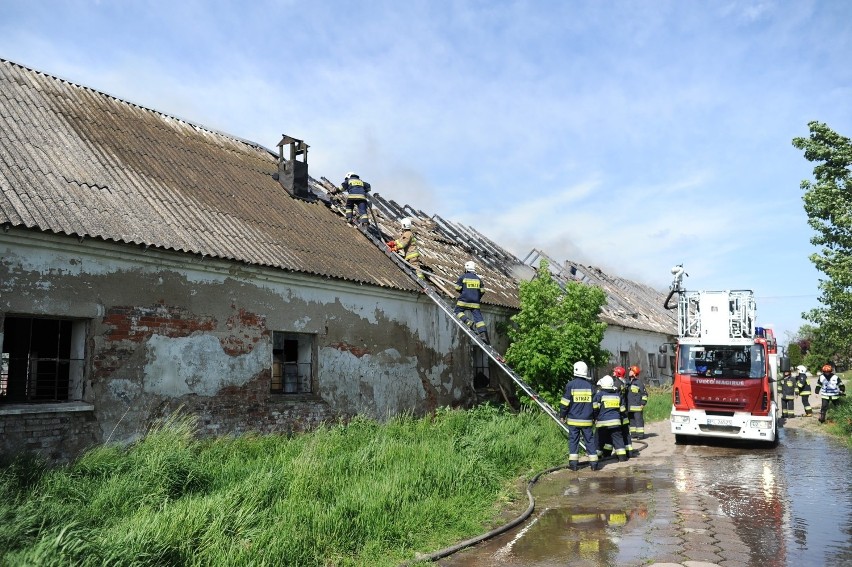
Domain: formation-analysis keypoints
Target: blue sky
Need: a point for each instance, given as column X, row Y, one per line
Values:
column 628, row 135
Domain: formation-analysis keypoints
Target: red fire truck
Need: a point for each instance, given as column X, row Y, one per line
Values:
column 725, row 366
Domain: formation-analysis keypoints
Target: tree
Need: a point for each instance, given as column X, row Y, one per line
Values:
column 828, row 204
column 794, row 353
column 555, row 328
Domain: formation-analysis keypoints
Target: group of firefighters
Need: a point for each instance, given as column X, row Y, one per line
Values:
column 607, row 416
column 469, row 284
column 829, row 387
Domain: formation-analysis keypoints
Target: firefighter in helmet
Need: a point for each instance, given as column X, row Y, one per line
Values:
column 406, row 245
column 804, row 389
column 830, row 388
column 471, row 290
column 788, row 395
column 637, row 398
column 609, row 411
column 356, row 198
column 605, row 448
column 577, row 411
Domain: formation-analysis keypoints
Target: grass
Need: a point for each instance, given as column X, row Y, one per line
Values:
column 839, row 417
column 659, row 406
column 358, row 494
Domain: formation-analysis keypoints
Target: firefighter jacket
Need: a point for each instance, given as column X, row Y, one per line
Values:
column 803, row 385
column 609, row 408
column 470, row 290
column 831, row 387
column 637, row 395
column 788, row 387
column 407, row 243
column 355, row 189
column 575, row 407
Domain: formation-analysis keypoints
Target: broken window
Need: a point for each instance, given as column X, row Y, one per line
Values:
column 292, row 363
column 652, row 367
column 481, row 369
column 42, row 360
column 624, row 359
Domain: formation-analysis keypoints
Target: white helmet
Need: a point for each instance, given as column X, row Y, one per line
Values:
column 581, row 370
column 801, row 368
column 469, row 266
column 406, row 223
column 351, row 174
column 606, row 383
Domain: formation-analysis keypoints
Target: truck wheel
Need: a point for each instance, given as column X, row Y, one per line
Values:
column 681, row 439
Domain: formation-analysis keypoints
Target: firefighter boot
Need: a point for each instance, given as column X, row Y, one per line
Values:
column 821, row 417
column 633, row 454
column 573, row 465
column 596, row 465
column 622, row 458
column 484, row 336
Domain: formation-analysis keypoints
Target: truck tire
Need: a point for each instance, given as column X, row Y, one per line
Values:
column 681, row 439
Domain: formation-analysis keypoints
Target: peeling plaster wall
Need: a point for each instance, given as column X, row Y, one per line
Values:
column 638, row 344
column 169, row 330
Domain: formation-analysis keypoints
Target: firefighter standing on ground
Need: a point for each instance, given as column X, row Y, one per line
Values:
column 804, row 388
column 609, row 411
column 788, row 395
column 577, row 411
column 406, row 245
column 637, row 398
column 356, row 198
column 605, row 448
column 829, row 387
column 471, row 290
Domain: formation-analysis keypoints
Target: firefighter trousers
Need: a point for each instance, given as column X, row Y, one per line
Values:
column 787, row 405
column 806, row 404
column 588, row 435
column 637, row 424
column 611, row 437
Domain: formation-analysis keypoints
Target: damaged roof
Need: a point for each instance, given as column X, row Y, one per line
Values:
column 629, row 304
column 80, row 162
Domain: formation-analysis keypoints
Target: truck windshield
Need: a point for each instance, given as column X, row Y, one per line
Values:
column 740, row 361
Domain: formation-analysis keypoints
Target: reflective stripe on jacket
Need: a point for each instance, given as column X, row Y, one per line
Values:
column 470, row 290
column 608, row 408
column 576, row 403
column 637, row 395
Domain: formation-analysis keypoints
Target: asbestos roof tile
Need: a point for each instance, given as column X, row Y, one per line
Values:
column 75, row 160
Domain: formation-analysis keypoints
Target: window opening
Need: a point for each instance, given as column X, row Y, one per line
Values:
column 292, row 363
column 652, row 367
column 481, row 369
column 624, row 358
column 42, row 360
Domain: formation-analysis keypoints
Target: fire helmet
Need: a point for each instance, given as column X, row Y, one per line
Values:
column 406, row 223
column 618, row 372
column 826, row 368
column 606, row 383
column 581, row 369
column 351, row 174
column 469, row 266
column 635, row 370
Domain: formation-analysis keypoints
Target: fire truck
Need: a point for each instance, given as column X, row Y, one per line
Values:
column 725, row 366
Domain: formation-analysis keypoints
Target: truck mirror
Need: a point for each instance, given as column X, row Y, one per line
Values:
column 664, row 349
column 785, row 363
column 661, row 361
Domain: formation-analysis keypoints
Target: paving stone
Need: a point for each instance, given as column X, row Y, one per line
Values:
column 701, row 555
column 733, row 546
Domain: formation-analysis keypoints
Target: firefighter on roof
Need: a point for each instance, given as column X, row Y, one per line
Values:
column 406, row 245
column 637, row 397
column 829, row 387
column 576, row 409
column 609, row 412
column 788, row 394
column 471, row 290
column 356, row 198
column 804, row 388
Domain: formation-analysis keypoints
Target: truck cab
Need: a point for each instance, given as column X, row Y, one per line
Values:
column 724, row 368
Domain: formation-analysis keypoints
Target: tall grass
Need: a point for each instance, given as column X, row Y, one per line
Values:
column 659, row 406
column 358, row 494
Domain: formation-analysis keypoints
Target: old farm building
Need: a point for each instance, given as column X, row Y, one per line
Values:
column 149, row 263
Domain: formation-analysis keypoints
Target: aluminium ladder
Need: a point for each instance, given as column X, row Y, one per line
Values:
column 486, row 348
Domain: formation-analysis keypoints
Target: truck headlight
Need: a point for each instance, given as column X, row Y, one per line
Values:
column 680, row 419
column 760, row 424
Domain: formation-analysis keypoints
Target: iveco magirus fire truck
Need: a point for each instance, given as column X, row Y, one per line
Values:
column 724, row 371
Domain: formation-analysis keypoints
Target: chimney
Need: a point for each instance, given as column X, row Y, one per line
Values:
column 293, row 174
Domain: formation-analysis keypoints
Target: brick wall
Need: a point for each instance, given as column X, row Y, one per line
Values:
column 59, row 436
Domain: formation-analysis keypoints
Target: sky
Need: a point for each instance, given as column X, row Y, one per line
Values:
column 628, row 135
